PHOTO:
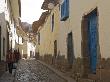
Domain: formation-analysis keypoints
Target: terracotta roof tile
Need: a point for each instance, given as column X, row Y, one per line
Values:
column 41, row 21
column 46, row 2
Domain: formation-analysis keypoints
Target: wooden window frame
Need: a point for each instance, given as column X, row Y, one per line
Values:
column 65, row 10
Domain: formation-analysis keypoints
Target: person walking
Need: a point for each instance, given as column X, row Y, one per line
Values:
column 17, row 56
column 10, row 60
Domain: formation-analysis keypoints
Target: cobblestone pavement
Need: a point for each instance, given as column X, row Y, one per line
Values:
column 7, row 77
column 34, row 71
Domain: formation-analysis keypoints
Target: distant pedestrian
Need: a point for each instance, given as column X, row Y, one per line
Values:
column 15, row 53
column 10, row 60
column 37, row 55
column 17, row 56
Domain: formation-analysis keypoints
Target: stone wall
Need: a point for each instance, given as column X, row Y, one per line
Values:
column 60, row 63
column 77, row 71
column 2, row 68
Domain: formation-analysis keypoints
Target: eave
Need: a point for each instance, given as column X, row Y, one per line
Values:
column 40, row 22
column 46, row 2
column 16, row 8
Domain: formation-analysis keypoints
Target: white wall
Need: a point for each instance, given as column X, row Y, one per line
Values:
column 77, row 10
column 2, row 6
column 3, row 35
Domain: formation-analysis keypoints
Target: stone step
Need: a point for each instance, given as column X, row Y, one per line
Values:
column 92, row 76
column 85, row 80
column 104, row 75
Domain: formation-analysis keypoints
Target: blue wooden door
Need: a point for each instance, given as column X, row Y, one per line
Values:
column 93, row 40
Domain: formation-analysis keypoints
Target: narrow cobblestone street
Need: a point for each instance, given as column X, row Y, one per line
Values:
column 34, row 71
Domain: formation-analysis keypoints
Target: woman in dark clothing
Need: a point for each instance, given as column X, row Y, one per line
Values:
column 10, row 60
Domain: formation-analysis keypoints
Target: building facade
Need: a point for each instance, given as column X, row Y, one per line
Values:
column 10, row 12
column 3, row 36
column 77, row 30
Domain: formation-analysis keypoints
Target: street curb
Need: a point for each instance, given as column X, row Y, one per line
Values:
column 68, row 79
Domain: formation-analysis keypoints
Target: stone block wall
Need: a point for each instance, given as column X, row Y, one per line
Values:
column 78, row 71
column 61, row 63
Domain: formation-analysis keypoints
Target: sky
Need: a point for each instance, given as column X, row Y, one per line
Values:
column 31, row 10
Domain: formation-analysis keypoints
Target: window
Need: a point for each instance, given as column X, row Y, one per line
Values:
column 39, row 38
column 65, row 10
column 55, row 48
column 52, row 22
column 18, row 39
column 11, row 20
column 5, row 1
column 59, row 7
column 22, row 40
column 4, row 47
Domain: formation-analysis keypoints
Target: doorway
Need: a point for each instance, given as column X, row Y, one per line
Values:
column 70, row 50
column 90, row 40
column 0, row 43
column 55, row 48
column 4, row 47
